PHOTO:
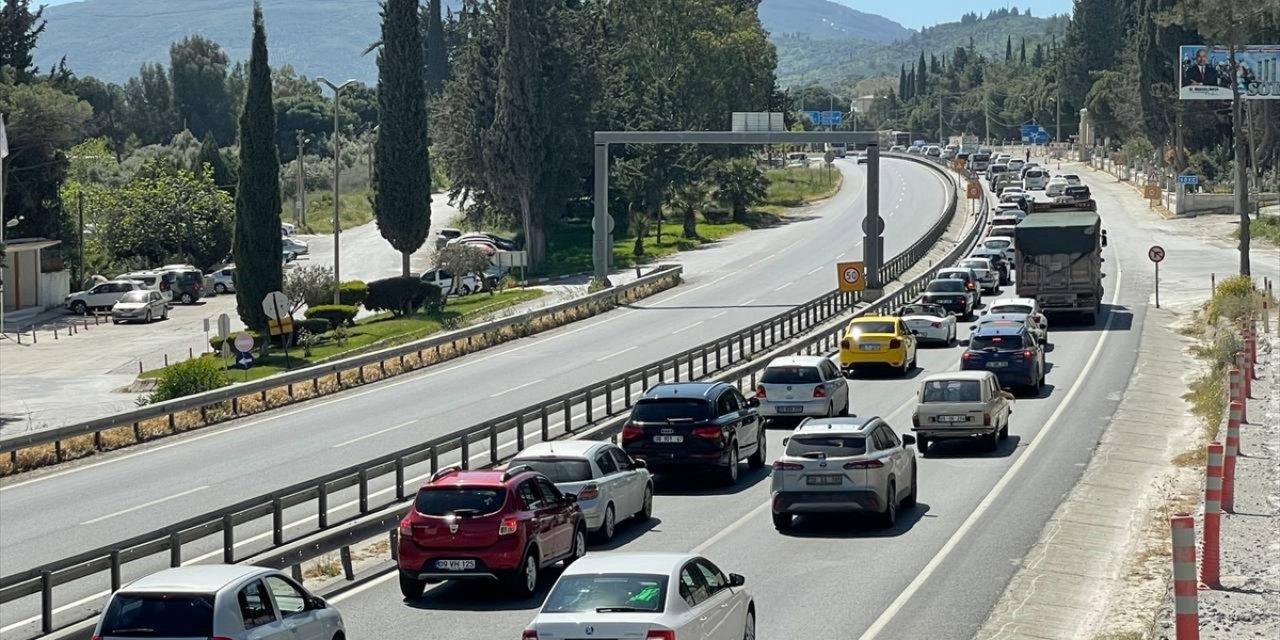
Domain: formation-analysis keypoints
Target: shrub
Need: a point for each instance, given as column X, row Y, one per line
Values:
column 335, row 314
column 353, row 292
column 313, row 326
column 216, row 342
column 190, row 377
column 308, row 341
column 312, row 284
column 400, row 295
column 1233, row 298
column 432, row 301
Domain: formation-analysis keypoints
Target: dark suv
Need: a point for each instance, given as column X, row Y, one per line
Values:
column 696, row 424
column 188, row 285
column 1008, row 350
column 951, row 295
column 497, row 525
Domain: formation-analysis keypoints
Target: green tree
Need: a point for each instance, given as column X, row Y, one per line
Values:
column 149, row 105
column 199, row 70
column 739, row 183
column 463, row 260
column 257, row 248
column 437, row 54
column 20, row 28
column 1008, row 49
column 1022, row 55
column 211, row 162
column 161, row 216
column 687, row 200
column 902, row 80
column 109, row 112
column 922, row 77
column 402, row 172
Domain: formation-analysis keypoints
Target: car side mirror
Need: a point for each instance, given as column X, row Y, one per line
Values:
column 570, row 497
column 639, row 464
column 1103, row 275
column 753, row 402
column 316, row 602
column 973, row 327
column 786, row 440
column 736, row 580
column 908, row 440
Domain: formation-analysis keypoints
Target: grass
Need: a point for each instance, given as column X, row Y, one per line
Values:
column 382, row 331
column 796, row 186
column 1266, row 228
column 355, row 211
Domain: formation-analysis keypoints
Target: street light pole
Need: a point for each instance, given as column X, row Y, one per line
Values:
column 337, row 158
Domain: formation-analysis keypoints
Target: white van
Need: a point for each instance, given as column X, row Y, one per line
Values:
column 1035, row 180
column 838, row 148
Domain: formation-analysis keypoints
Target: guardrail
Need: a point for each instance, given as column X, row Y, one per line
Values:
column 597, row 402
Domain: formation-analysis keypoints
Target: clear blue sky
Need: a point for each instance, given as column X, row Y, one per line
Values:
column 914, row 14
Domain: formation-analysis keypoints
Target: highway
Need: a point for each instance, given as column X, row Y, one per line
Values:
column 936, row 575
column 729, row 285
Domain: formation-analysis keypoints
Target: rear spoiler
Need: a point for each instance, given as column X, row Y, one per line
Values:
column 1069, row 205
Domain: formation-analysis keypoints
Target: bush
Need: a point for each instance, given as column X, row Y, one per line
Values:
column 313, row 326
column 353, row 292
column 190, row 377
column 336, row 315
column 312, row 284
column 400, row 295
column 1233, row 298
column 432, row 300
column 216, row 342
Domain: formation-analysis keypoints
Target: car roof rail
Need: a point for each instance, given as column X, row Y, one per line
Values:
column 514, row 471
column 444, row 472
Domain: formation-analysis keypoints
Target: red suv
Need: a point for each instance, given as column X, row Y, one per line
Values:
column 492, row 524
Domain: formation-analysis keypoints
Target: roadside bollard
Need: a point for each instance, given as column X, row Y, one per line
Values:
column 1230, row 451
column 1209, row 562
column 1235, row 386
column 1186, row 607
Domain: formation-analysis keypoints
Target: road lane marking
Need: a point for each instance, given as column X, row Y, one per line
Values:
column 517, row 388
column 718, row 315
column 686, row 328
column 375, row 433
column 783, row 286
column 145, row 505
column 994, row 494
column 815, row 270
column 617, row 353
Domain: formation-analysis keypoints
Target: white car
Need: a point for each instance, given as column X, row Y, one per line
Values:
column 609, row 484
column 467, row 284
column 844, row 465
column 961, row 404
column 224, row 279
column 235, row 602
column 1073, row 179
column 933, row 151
column 1000, row 244
column 1003, row 220
column 1035, row 179
column 287, row 229
column 797, row 159
column 1002, row 231
column 802, row 386
column 1016, row 165
column 104, row 295
column 295, row 246
column 1015, row 190
column 1010, row 209
column 645, row 596
column 988, row 277
column 1038, row 322
column 1056, row 186
column 929, row 322
column 915, row 150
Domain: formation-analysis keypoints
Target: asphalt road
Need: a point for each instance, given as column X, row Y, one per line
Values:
column 729, row 285
column 935, row 575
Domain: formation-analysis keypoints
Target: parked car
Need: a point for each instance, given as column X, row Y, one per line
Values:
column 188, row 283
column 486, row 525
column 1010, row 351
column 961, row 404
column 466, row 285
column 877, row 341
column 646, row 596
column 153, row 280
column 950, row 295
column 220, row 601
column 797, row 159
column 839, row 465
column 104, row 295
column 988, row 277
column 1037, row 320
column 142, row 306
column 610, row 486
column 929, row 322
column 802, row 386
column 224, row 279
column 287, row 229
column 295, row 246
column 696, row 425
column 505, row 244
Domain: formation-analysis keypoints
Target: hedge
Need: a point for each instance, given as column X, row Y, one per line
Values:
column 401, row 295
column 313, row 326
column 353, row 292
column 189, row 377
column 336, row 314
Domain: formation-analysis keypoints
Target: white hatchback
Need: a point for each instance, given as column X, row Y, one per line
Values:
column 609, row 484
column 802, row 386
column 1037, row 322
column 651, row 596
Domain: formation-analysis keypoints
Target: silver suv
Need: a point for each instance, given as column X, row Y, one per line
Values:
column 844, row 465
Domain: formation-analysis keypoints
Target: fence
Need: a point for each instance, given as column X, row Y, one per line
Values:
column 736, row 357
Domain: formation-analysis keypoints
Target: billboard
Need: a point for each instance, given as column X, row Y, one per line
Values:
column 1205, row 72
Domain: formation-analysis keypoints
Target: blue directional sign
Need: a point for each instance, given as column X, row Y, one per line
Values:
column 1042, row 137
column 1189, row 180
column 244, row 360
column 832, row 118
column 815, row 117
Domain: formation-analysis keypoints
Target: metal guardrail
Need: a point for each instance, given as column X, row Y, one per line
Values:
column 727, row 356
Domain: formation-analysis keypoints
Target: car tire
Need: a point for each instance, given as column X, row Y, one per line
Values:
column 911, row 497
column 922, row 443
column 757, row 459
column 147, row 319
column 115, row 321
column 609, row 526
column 1004, row 431
column 889, row 517
column 523, row 581
column 905, row 369
column 844, row 411
column 79, row 307
column 646, row 508
column 992, row 440
column 187, row 298
column 729, row 473
column 464, row 291
column 579, row 548
column 782, row 521
column 164, row 315
column 411, row 588
column 749, row 626
column 220, row 289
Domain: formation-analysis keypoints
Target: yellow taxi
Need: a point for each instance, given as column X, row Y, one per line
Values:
column 878, row 341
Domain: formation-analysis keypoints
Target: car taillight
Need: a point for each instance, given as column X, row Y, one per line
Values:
column 915, row 419
column 589, row 492
column 787, row 466
column 529, row 634
column 936, row 325
column 1026, row 353
column 760, row 392
column 1038, row 317
column 864, row 464
column 968, row 355
column 820, row 391
column 968, row 285
column 508, row 526
column 661, row 635
column 631, row 432
column 710, row 433
column 986, row 419
column 845, row 344
column 406, row 527
column 895, row 343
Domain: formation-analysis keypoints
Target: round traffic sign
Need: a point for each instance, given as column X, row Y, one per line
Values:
column 1155, row 253
column 275, row 305
column 829, row 157
column 879, row 227
column 610, row 225
column 851, row 275
column 244, row 342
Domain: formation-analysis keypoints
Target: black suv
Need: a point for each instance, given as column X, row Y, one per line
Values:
column 696, row 424
column 950, row 295
column 188, row 285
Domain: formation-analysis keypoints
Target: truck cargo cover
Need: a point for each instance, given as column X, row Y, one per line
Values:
column 1043, row 233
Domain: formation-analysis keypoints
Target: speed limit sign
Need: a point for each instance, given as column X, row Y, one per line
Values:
column 851, row 276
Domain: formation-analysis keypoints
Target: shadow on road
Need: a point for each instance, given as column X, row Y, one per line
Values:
column 484, row 595
column 854, row 525
column 972, row 448
column 625, row 533
column 691, row 483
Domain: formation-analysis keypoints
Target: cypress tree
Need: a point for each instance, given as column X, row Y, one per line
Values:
column 257, row 249
column 911, row 84
column 437, row 54
column 210, row 160
column 1008, row 49
column 1022, row 58
column 922, row 77
column 402, row 172
column 902, row 81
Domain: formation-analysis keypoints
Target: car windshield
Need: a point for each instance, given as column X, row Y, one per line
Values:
column 608, row 593
column 872, row 326
column 134, row 296
column 945, row 286
column 922, row 310
column 952, row 391
column 559, row 469
column 826, row 446
column 995, row 343
column 443, row 501
column 791, row 375
column 668, row 409
column 1011, row 308
column 159, row 616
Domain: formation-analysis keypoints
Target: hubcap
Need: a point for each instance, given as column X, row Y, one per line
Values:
column 530, row 574
column 609, row 521
column 579, row 544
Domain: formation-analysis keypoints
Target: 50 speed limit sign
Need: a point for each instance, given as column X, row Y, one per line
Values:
column 851, row 276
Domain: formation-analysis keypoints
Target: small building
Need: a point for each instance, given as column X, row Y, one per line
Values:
column 33, row 280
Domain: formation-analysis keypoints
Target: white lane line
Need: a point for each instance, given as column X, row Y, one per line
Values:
column 517, row 388
column 719, row 314
column 994, row 494
column 688, row 327
column 815, row 270
column 617, row 353
column 375, row 433
column 783, row 286
column 749, row 301
column 145, row 505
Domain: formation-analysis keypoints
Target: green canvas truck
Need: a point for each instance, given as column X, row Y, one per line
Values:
column 1059, row 261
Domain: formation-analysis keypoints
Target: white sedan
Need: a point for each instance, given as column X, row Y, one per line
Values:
column 930, row 322
column 1036, row 320
column 998, row 243
column 986, row 272
column 656, row 596
column 610, row 485
column 1057, row 185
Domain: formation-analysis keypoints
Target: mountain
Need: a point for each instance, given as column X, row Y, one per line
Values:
column 111, row 39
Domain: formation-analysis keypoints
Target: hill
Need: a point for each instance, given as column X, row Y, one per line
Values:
column 111, row 39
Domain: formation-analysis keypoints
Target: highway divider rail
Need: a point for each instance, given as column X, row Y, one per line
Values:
column 736, row 358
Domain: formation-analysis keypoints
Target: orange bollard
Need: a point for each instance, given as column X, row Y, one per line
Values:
column 1209, row 561
column 1230, row 451
column 1186, row 606
column 1242, row 364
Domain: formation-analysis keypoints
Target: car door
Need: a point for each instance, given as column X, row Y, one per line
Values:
column 560, row 521
column 259, row 615
column 898, row 454
column 748, row 420
column 543, row 523
column 908, row 339
column 612, row 484
column 879, row 477
column 291, row 602
column 728, row 608
column 631, row 493
column 694, row 591
column 157, row 304
column 833, row 380
column 103, row 295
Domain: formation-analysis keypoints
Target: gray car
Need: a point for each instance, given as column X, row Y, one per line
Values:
column 140, row 306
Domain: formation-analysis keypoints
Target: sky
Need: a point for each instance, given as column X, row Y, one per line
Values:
column 915, row 14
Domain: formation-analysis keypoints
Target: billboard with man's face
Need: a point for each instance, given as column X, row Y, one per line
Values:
column 1206, row 73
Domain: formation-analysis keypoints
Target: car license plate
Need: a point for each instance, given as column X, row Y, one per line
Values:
column 997, row 364
column 456, row 565
column 869, row 347
column 790, row 408
column 952, row 418
column 668, row 439
column 825, row 479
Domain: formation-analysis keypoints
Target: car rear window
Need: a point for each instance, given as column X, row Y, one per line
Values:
column 997, row 243
column 559, row 469
column 975, row 264
column 611, row 593
column 1035, row 174
column 791, row 375
column 922, row 310
column 952, row 391
column 829, row 446
column 873, row 326
column 471, row 501
column 668, row 409
column 945, row 286
column 188, row 277
column 1011, row 308
column 995, row 343
column 159, row 616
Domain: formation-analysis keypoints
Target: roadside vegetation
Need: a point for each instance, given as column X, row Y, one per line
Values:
column 1266, row 229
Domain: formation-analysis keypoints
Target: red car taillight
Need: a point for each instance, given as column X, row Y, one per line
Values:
column 787, row 466
column 864, row 464
column 895, row 343
column 820, row 391
column 845, row 344
column 631, row 432
column 529, row 634
column 968, row 285
column 915, row 419
column 661, row 635
column 406, row 527
column 986, row 419
column 760, row 392
column 508, row 526
column 968, row 355
column 1026, row 353
column 710, row 433
column 589, row 492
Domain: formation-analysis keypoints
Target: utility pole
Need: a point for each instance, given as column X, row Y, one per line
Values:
column 940, row 139
column 80, row 246
column 1242, row 182
column 300, row 214
column 1057, row 115
column 337, row 166
column 986, row 108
